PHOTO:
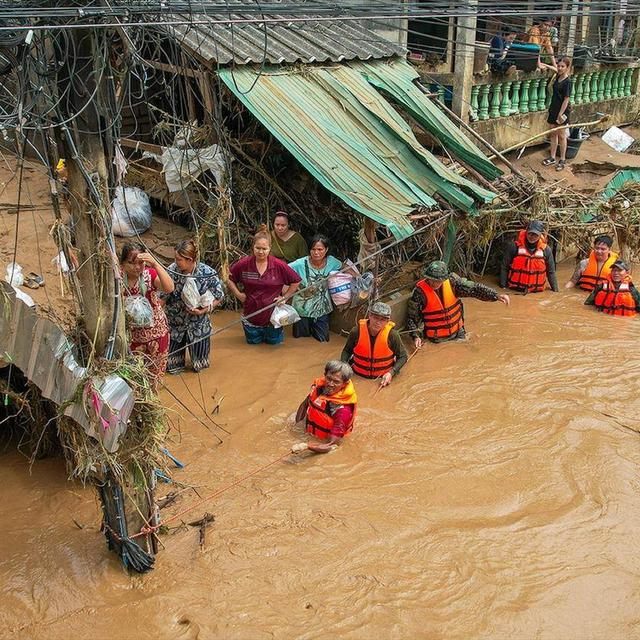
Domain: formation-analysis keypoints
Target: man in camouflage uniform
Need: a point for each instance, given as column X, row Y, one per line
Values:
column 435, row 304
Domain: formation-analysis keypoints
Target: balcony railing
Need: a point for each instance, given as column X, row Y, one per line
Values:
column 510, row 97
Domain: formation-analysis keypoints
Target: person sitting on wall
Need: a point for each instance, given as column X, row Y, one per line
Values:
column 595, row 269
column 528, row 262
column 435, row 304
column 498, row 49
column 330, row 408
column 617, row 295
column 374, row 348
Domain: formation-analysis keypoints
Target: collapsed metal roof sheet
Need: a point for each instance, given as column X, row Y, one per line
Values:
column 299, row 38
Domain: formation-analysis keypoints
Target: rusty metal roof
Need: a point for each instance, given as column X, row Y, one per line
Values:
column 304, row 40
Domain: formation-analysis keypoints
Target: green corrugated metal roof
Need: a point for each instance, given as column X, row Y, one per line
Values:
column 615, row 184
column 352, row 140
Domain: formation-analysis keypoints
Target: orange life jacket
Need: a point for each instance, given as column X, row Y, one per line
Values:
column 591, row 277
column 319, row 418
column 528, row 270
column 372, row 361
column 616, row 301
column 442, row 316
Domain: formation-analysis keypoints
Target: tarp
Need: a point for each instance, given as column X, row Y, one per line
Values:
column 397, row 78
column 353, row 141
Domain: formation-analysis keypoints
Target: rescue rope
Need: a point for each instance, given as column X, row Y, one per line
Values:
column 406, row 363
column 152, row 529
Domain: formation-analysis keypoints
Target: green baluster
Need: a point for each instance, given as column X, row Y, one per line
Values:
column 595, row 83
column 474, row 100
column 628, row 78
column 615, row 78
column 601, row 84
column 494, row 111
column 515, row 96
column 620, row 83
column 440, row 93
column 505, row 105
column 579, row 88
column 483, row 111
column 607, row 84
column 586, row 90
column 533, row 94
column 524, row 97
column 545, row 95
column 623, row 76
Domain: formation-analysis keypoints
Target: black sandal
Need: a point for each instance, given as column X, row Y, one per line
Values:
column 548, row 162
column 561, row 165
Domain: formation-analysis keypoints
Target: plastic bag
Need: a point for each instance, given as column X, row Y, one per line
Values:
column 138, row 311
column 130, row 212
column 206, row 299
column 283, row 315
column 61, row 262
column 14, row 276
column 361, row 288
column 190, row 294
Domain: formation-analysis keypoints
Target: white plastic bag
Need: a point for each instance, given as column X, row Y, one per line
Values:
column 206, row 299
column 130, row 212
column 138, row 311
column 14, row 275
column 61, row 262
column 283, row 315
column 190, row 294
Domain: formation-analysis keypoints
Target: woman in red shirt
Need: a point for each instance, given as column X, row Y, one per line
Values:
column 144, row 276
column 264, row 280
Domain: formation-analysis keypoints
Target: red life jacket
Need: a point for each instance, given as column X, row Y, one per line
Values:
column 442, row 316
column 319, row 418
column 616, row 300
column 528, row 272
column 372, row 361
column 591, row 277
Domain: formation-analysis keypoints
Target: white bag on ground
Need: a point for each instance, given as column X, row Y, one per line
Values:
column 190, row 294
column 14, row 276
column 283, row 315
column 138, row 311
column 130, row 212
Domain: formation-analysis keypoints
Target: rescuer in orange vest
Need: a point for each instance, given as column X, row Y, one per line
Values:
column 595, row 269
column 617, row 295
column 374, row 349
column 330, row 408
column 436, row 304
column 528, row 262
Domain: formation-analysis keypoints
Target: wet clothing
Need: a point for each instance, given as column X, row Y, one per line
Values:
column 394, row 343
column 561, row 90
column 317, row 328
column 331, row 415
column 257, row 335
column 621, row 299
column 261, row 290
column 462, row 288
column 189, row 331
column 511, row 252
column 588, row 275
column 295, row 247
column 152, row 342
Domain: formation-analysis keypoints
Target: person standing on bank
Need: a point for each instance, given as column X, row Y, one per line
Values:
column 144, row 276
column 595, row 269
column 528, row 262
column 264, row 280
column 313, row 303
column 559, row 112
column 286, row 244
column 190, row 328
column 374, row 349
column 617, row 295
column 435, row 304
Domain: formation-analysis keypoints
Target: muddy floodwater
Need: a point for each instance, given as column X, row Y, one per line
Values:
column 492, row 491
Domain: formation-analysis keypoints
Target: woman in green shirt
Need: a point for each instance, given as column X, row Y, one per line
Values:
column 286, row 244
column 314, row 304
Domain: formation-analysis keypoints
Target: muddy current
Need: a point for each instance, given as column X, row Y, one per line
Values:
column 491, row 491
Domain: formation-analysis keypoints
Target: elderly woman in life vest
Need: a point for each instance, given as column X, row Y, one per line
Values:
column 330, row 408
column 617, row 295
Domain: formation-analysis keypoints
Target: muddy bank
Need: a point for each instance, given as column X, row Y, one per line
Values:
column 486, row 493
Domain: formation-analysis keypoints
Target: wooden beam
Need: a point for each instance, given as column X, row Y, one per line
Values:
column 138, row 145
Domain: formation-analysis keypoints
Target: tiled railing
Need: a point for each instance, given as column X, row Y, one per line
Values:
column 510, row 97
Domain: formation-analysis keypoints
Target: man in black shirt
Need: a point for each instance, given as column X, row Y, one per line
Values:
column 498, row 49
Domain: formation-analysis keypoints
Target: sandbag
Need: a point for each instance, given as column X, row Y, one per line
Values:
column 283, row 315
column 130, row 212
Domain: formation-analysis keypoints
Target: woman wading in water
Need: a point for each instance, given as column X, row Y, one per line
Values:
column 144, row 277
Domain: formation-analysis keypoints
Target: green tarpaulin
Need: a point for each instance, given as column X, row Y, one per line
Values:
column 341, row 129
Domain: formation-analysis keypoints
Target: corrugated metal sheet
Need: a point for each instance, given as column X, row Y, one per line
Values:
column 285, row 42
column 353, row 141
column 397, row 77
column 618, row 181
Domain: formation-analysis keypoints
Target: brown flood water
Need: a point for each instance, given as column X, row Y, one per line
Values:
column 483, row 495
